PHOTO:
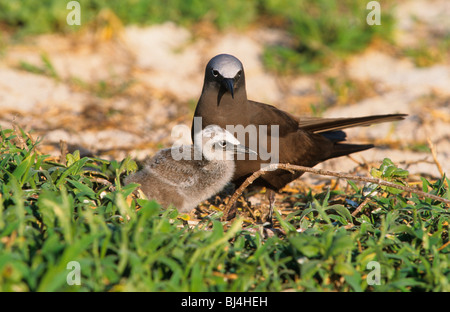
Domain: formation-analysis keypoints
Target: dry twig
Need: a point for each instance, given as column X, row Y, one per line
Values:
column 271, row 167
column 63, row 152
column 436, row 161
column 361, row 206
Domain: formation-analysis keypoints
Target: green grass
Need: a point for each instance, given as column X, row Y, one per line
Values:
column 31, row 17
column 323, row 31
column 52, row 214
column 46, row 69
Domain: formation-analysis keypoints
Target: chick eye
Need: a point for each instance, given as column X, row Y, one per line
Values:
column 222, row 143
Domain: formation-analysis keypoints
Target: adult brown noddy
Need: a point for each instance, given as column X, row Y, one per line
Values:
column 304, row 141
column 183, row 176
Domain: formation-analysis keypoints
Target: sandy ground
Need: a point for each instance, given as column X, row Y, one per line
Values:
column 118, row 91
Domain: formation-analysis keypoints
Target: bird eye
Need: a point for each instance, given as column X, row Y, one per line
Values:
column 215, row 73
column 223, row 143
column 238, row 75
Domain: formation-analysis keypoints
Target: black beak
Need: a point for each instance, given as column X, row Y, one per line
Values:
column 228, row 84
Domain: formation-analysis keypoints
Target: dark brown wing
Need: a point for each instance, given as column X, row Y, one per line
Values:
column 265, row 114
column 306, row 141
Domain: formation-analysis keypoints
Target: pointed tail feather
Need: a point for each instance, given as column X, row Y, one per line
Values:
column 321, row 125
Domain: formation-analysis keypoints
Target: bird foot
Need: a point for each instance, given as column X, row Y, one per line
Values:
column 271, row 197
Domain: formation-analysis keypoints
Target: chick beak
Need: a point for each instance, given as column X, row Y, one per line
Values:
column 241, row 149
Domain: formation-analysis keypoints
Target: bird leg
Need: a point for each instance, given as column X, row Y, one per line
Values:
column 271, row 197
column 232, row 212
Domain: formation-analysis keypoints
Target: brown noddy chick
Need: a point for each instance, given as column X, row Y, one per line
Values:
column 184, row 176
